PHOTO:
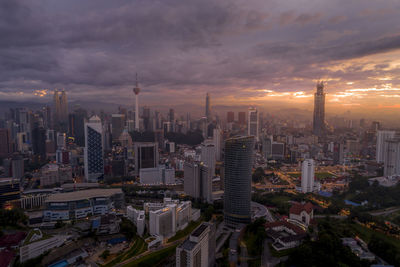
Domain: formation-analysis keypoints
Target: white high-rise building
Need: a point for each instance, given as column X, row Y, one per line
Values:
column 208, row 155
column 196, row 250
column 163, row 222
column 307, row 175
column 392, row 157
column 93, row 154
column 381, row 138
column 253, row 123
column 137, row 217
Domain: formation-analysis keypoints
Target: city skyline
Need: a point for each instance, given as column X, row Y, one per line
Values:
column 283, row 49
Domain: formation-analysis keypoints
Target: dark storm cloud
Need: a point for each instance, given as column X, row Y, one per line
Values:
column 93, row 48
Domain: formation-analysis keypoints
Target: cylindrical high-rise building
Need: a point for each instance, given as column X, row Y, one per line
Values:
column 237, row 180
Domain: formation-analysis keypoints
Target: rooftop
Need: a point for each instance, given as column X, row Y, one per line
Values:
column 199, row 230
column 83, row 194
column 188, row 245
column 298, row 208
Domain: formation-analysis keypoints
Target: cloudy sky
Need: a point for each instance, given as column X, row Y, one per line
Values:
column 241, row 51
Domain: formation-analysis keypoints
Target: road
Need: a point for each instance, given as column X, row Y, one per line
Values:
column 385, row 212
column 267, row 260
column 262, row 211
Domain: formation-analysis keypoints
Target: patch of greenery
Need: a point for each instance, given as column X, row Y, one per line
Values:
column 153, row 259
column 182, row 233
column 254, row 237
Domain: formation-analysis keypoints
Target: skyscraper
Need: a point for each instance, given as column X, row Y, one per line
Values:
column 208, row 107
column 93, row 156
column 253, row 123
column 60, row 110
column 237, row 180
column 118, row 125
column 319, row 110
column 197, row 182
column 146, row 155
column 136, row 90
column 307, row 175
column 230, row 117
column 242, row 117
column 77, row 126
column 381, row 138
column 5, row 143
column 198, row 249
column 39, row 141
column 392, row 157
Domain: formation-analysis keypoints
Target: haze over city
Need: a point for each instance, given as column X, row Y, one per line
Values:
column 266, row 53
column 200, row 133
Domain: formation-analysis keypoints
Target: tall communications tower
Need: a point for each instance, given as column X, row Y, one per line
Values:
column 136, row 90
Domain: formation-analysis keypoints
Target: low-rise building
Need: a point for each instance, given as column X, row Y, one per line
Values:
column 52, row 174
column 302, row 213
column 285, row 235
column 38, row 243
column 106, row 224
column 80, row 204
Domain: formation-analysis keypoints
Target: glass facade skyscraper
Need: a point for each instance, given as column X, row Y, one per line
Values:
column 319, row 110
column 237, row 196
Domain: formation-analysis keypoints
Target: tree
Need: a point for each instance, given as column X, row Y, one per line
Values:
column 105, row 254
column 258, row 175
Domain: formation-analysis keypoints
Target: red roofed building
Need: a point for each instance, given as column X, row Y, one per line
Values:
column 302, row 213
column 285, row 234
column 12, row 241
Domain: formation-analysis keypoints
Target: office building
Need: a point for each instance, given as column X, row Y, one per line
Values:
column 277, row 150
column 118, row 125
column 5, row 143
column 197, row 181
column 17, row 167
column 166, row 218
column 267, row 146
column 237, row 180
column 158, row 175
column 242, row 118
column 208, row 108
column 83, row 203
column 381, row 138
column 307, row 176
column 230, row 117
column 93, row 154
column 208, row 155
column 253, row 123
column 77, row 126
column 319, row 110
column 54, row 174
column 196, row 250
column 60, row 110
column 217, row 139
column 39, row 142
column 391, row 164
column 146, row 155
column 162, row 222
column 9, row 191
column 138, row 218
